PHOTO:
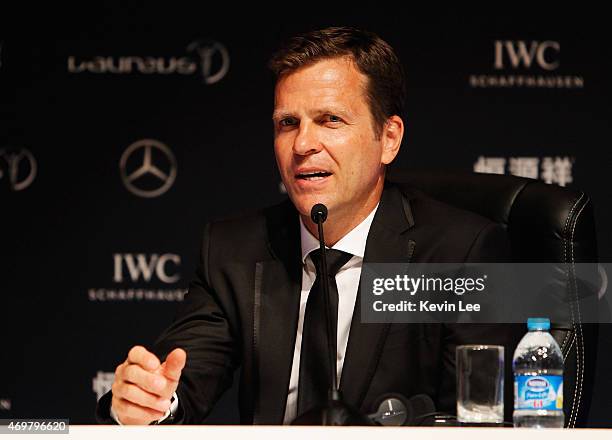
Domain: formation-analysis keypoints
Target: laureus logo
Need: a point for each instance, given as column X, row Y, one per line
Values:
column 214, row 59
column 207, row 58
column 18, row 168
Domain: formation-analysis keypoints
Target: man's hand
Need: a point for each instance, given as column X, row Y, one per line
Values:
column 143, row 387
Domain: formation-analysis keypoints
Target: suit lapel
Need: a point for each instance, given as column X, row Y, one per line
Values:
column 277, row 301
column 386, row 243
column 276, row 309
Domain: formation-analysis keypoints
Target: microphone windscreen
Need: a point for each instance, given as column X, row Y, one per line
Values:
column 318, row 211
column 392, row 409
column 421, row 405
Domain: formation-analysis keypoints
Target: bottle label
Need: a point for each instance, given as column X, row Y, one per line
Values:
column 538, row 392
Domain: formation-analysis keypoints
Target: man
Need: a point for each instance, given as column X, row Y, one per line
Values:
column 337, row 124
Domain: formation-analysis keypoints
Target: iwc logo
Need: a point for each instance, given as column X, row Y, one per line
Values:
column 527, row 64
column 102, row 383
column 142, row 277
column 148, row 168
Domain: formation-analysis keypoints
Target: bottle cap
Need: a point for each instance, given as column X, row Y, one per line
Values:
column 538, row 324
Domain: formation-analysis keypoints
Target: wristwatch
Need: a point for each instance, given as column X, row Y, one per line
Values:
column 170, row 412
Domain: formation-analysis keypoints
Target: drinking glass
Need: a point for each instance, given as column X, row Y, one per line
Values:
column 480, row 383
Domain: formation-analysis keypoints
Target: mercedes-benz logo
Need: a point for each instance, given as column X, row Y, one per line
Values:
column 20, row 168
column 148, row 179
column 214, row 59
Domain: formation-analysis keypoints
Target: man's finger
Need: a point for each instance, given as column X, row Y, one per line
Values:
column 141, row 356
column 174, row 364
column 154, row 383
column 134, row 394
column 133, row 414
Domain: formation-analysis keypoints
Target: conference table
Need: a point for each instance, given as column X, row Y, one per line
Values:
column 86, row 432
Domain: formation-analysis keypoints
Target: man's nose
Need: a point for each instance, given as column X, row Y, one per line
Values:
column 306, row 141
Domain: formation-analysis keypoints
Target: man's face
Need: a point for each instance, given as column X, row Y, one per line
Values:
column 324, row 140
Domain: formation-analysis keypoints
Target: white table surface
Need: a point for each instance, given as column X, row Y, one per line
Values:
column 86, row 432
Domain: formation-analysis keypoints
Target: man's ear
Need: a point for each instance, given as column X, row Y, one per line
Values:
column 391, row 137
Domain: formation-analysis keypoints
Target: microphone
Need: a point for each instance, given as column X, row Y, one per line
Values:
column 392, row 410
column 423, row 408
column 395, row 410
column 318, row 212
column 335, row 412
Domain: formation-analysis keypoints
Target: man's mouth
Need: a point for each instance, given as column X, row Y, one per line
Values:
column 313, row 175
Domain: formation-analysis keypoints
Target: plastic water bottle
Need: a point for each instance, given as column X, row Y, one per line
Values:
column 538, row 378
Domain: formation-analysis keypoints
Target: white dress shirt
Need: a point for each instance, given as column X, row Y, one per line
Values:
column 347, row 280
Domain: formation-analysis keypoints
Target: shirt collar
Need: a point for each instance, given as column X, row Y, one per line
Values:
column 354, row 242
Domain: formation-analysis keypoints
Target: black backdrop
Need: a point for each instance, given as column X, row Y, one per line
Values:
column 93, row 262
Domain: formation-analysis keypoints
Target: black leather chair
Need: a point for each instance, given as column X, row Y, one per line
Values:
column 545, row 223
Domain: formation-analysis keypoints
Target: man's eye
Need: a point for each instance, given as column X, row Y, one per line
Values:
column 287, row 122
column 334, row 118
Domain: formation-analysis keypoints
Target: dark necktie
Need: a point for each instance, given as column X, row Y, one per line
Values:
column 315, row 368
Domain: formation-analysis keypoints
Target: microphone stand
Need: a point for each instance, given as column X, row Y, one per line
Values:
column 332, row 349
column 336, row 412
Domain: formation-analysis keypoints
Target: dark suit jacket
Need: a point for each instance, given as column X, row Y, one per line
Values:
column 242, row 310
